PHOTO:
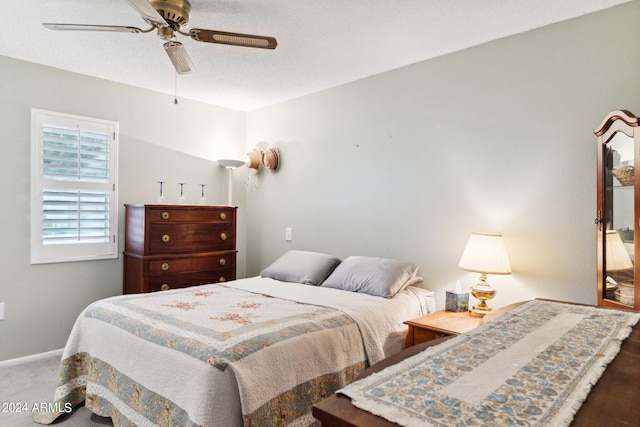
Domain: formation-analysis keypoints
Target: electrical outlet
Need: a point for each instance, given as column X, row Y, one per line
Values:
column 1, row 311
column 287, row 234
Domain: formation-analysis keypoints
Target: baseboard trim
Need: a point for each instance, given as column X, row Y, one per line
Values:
column 30, row 358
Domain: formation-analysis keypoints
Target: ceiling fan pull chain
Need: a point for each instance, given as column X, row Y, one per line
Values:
column 175, row 99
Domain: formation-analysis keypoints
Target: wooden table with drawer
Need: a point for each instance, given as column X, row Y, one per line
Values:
column 439, row 324
column 174, row 246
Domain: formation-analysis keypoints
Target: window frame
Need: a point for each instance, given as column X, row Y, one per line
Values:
column 42, row 253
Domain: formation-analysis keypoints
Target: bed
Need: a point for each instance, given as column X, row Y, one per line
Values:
column 252, row 352
column 580, row 368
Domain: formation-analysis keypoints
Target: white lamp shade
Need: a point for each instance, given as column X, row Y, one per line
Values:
column 617, row 256
column 230, row 163
column 485, row 253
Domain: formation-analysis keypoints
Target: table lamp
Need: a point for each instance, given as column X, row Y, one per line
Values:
column 617, row 257
column 485, row 253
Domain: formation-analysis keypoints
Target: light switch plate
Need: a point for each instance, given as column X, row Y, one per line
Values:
column 1, row 311
column 287, row 234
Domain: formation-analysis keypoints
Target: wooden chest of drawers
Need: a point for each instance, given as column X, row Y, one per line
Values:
column 174, row 246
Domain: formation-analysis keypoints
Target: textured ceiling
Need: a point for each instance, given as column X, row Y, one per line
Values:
column 321, row 44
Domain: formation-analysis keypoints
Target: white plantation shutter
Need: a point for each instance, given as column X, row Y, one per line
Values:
column 74, row 199
column 75, row 216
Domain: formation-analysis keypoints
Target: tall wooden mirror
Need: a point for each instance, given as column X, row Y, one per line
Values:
column 618, row 210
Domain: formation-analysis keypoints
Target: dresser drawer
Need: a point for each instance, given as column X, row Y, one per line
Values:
column 174, row 281
column 191, row 263
column 180, row 214
column 191, row 237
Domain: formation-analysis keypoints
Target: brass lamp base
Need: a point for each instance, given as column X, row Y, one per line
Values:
column 480, row 310
column 482, row 291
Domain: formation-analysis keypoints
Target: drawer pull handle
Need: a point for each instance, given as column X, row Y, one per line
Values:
column 164, row 287
column 222, row 279
column 223, row 215
column 165, row 215
column 223, row 236
column 166, row 238
column 223, row 261
column 164, row 266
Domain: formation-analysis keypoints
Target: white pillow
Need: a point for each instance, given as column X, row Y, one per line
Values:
column 309, row 268
column 382, row 277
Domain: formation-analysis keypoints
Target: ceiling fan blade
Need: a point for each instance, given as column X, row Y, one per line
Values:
column 84, row 27
column 179, row 57
column 235, row 39
column 147, row 11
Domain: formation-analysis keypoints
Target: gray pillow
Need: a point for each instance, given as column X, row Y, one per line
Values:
column 309, row 268
column 375, row 276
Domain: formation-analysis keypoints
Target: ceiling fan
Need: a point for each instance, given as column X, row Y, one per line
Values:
column 170, row 17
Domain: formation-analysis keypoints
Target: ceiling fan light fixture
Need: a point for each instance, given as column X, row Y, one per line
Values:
column 179, row 57
column 169, row 17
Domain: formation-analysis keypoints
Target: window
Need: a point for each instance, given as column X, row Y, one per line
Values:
column 74, row 199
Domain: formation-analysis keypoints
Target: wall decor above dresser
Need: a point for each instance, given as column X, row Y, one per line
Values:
column 175, row 246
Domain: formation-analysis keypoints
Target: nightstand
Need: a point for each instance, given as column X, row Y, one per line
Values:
column 439, row 324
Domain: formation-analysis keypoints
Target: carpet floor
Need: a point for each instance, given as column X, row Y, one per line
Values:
column 34, row 382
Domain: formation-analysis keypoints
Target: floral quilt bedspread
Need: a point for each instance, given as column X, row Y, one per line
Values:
column 139, row 358
column 216, row 324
